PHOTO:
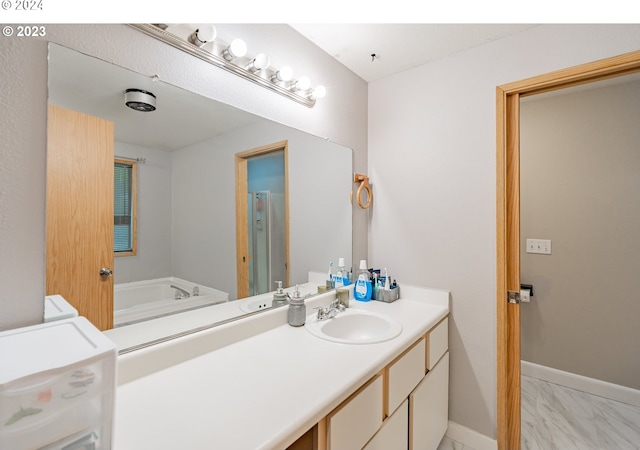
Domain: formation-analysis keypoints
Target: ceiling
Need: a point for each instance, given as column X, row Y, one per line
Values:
column 399, row 47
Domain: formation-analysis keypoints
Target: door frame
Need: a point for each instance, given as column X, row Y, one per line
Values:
column 508, row 222
column 242, row 222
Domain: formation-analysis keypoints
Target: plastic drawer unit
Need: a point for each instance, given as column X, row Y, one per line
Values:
column 57, row 386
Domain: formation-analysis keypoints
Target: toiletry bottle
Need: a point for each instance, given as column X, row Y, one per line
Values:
column 342, row 276
column 362, row 287
column 297, row 309
column 330, row 280
column 280, row 296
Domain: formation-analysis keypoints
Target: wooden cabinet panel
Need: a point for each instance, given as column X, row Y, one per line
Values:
column 429, row 408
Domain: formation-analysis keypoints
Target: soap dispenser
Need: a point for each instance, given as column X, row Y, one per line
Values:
column 280, row 296
column 297, row 309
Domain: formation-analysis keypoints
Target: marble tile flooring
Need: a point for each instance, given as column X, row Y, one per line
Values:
column 557, row 417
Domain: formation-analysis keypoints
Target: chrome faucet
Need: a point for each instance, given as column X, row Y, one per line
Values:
column 330, row 311
column 180, row 293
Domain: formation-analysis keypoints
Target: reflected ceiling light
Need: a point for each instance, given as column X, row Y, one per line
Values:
column 203, row 34
column 237, row 49
column 283, row 75
column 260, row 62
column 140, row 100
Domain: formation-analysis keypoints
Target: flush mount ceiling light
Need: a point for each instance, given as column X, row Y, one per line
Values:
column 140, row 100
column 233, row 58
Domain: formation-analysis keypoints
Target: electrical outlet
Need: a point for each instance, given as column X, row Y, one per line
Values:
column 541, row 246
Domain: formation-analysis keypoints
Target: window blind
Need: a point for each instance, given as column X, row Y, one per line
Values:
column 123, row 207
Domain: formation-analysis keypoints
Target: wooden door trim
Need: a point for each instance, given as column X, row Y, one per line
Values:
column 508, row 222
column 242, row 240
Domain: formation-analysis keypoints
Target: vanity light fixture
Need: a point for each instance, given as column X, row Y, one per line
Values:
column 303, row 84
column 284, row 75
column 237, row 49
column 319, row 92
column 202, row 35
column 260, row 62
column 233, row 58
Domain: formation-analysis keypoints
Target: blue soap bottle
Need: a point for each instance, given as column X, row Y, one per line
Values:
column 362, row 289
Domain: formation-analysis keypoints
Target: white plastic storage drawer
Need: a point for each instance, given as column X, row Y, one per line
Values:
column 437, row 342
column 353, row 423
column 404, row 374
column 57, row 384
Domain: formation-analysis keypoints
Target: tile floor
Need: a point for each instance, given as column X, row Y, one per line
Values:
column 557, row 417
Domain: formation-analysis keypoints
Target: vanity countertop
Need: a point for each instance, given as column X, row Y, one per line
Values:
column 263, row 391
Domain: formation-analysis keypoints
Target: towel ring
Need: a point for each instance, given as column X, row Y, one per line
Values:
column 364, row 184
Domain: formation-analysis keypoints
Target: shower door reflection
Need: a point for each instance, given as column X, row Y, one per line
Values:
column 267, row 262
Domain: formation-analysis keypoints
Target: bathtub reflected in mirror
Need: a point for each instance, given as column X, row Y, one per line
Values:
column 186, row 236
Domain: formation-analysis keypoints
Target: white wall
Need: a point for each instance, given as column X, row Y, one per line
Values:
column 433, row 222
column 153, row 256
column 319, row 205
column 341, row 116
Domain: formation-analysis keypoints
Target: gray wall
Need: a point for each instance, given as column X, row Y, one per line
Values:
column 580, row 187
column 341, row 116
column 432, row 159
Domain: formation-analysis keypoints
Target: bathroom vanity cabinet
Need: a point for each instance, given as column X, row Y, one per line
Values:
column 260, row 383
column 404, row 406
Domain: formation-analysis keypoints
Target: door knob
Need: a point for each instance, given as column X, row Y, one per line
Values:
column 106, row 272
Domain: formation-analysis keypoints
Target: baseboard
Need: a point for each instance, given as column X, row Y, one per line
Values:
column 470, row 438
column 585, row 384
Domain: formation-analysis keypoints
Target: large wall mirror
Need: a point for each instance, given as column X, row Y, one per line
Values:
column 183, row 159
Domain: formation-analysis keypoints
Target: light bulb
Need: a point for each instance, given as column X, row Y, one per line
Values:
column 237, row 49
column 203, row 34
column 303, row 84
column 284, row 74
column 319, row 92
column 260, row 62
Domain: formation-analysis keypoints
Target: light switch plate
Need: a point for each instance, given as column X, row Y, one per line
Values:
column 541, row 246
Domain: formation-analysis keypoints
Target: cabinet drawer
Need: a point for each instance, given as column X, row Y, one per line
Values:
column 404, row 374
column 394, row 433
column 429, row 408
column 437, row 342
column 354, row 422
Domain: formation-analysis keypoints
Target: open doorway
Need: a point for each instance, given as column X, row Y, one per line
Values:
column 262, row 225
column 508, row 224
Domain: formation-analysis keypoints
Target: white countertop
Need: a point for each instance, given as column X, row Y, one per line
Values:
column 260, row 392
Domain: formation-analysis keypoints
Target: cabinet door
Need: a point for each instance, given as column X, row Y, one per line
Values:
column 353, row 423
column 429, row 408
column 405, row 374
column 438, row 343
column 394, row 433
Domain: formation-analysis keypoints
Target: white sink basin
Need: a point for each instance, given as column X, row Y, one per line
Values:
column 354, row 326
column 257, row 304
